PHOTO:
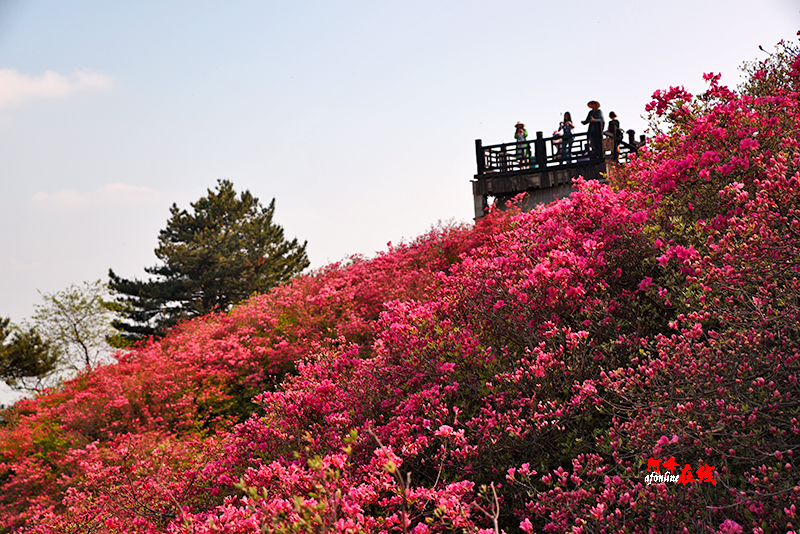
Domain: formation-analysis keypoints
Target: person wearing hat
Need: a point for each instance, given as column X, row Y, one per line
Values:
column 523, row 147
column 596, row 122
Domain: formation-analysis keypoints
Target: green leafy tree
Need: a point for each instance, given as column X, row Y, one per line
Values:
column 26, row 360
column 69, row 331
column 223, row 251
column 76, row 322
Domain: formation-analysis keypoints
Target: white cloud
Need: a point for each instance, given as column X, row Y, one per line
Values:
column 14, row 265
column 17, row 87
column 109, row 195
column 69, row 198
column 127, row 194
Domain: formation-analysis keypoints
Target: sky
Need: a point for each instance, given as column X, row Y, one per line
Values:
column 358, row 117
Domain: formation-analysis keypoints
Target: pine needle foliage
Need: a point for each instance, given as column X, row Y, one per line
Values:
column 222, row 251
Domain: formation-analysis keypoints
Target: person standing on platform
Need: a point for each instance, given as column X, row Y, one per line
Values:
column 596, row 121
column 615, row 132
column 523, row 147
column 565, row 129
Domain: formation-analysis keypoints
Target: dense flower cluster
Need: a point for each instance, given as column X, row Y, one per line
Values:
column 515, row 376
column 199, row 381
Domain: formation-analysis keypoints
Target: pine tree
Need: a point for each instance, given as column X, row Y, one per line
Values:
column 222, row 252
column 26, row 360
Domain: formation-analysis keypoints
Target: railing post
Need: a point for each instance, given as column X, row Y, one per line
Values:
column 631, row 138
column 480, row 157
column 540, row 151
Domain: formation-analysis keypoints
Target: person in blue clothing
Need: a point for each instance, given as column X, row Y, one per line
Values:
column 565, row 129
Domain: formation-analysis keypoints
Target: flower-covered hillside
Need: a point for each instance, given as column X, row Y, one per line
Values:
column 200, row 379
column 622, row 360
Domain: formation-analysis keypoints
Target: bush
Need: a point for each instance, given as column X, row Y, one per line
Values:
column 529, row 374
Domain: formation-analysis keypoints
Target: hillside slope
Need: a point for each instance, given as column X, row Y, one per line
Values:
column 529, row 374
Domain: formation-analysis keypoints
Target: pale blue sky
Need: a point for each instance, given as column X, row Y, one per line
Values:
column 359, row 117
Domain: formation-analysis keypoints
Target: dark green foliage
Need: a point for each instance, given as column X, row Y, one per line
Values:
column 222, row 252
column 25, row 359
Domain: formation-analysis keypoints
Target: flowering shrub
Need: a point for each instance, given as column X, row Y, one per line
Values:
column 528, row 374
column 199, row 380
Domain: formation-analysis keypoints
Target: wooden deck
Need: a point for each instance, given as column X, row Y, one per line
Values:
column 542, row 168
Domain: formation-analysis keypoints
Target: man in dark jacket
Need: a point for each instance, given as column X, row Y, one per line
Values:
column 596, row 122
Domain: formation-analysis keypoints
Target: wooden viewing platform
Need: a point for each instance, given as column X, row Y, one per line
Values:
column 540, row 167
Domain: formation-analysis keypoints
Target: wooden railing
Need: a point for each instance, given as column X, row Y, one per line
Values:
column 543, row 153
